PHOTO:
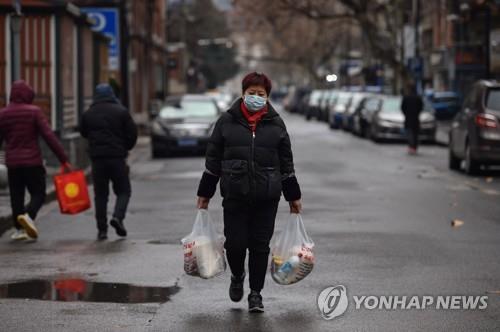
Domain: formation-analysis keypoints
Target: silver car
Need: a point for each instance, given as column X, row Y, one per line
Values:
column 388, row 123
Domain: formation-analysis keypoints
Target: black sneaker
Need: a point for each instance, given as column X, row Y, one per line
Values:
column 236, row 288
column 118, row 226
column 255, row 302
column 102, row 235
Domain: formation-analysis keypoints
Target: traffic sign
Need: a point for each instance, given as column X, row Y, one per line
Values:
column 107, row 22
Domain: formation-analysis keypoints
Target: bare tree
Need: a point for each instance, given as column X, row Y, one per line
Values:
column 290, row 37
column 379, row 20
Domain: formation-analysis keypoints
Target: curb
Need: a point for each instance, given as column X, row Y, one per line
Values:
column 6, row 220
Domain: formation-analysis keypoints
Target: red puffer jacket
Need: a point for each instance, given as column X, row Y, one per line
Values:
column 21, row 123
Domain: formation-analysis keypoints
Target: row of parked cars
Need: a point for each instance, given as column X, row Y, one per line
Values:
column 366, row 114
column 474, row 135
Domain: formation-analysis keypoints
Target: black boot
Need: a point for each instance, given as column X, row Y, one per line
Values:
column 236, row 288
column 102, row 235
column 255, row 302
column 118, row 226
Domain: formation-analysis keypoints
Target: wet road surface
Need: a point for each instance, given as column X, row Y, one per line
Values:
column 381, row 222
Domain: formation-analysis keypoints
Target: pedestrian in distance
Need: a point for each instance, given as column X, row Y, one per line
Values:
column 250, row 152
column 21, row 125
column 411, row 107
column 111, row 133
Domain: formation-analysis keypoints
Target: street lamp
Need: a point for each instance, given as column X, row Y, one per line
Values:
column 15, row 27
column 331, row 78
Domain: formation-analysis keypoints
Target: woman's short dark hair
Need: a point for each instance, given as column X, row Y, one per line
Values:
column 256, row 78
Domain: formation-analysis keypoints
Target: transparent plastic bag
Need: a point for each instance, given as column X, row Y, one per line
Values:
column 292, row 253
column 204, row 248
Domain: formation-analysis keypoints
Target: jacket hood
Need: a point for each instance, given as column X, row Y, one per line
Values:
column 104, row 93
column 21, row 93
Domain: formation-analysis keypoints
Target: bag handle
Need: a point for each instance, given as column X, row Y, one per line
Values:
column 301, row 227
column 66, row 167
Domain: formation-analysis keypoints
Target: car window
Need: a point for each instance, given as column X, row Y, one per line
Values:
column 445, row 99
column 392, row 105
column 343, row 99
column 315, row 96
column 493, row 99
column 356, row 100
column 372, row 104
column 467, row 102
column 189, row 109
column 428, row 106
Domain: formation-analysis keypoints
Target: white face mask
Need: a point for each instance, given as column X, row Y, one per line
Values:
column 254, row 103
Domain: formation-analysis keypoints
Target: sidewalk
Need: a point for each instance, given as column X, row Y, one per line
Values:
column 5, row 209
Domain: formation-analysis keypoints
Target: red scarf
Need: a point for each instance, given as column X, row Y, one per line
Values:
column 253, row 118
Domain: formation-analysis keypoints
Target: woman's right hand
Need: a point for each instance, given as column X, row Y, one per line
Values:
column 203, row 202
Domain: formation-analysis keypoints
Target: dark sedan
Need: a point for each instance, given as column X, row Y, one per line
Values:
column 183, row 124
column 475, row 131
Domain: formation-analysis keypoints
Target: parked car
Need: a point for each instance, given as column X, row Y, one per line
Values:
column 183, row 124
column 354, row 103
column 313, row 109
column 387, row 122
column 336, row 114
column 446, row 104
column 295, row 101
column 363, row 115
column 326, row 101
column 223, row 99
column 475, row 131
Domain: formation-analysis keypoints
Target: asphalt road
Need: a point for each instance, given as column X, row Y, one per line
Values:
column 380, row 220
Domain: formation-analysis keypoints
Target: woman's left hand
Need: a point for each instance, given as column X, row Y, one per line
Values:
column 296, row 206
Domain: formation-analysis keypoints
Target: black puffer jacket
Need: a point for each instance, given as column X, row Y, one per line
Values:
column 411, row 107
column 250, row 167
column 108, row 126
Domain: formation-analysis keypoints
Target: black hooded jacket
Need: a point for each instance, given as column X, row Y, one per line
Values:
column 250, row 167
column 411, row 107
column 108, row 126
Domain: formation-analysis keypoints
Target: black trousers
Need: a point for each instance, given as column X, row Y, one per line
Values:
column 20, row 180
column 413, row 133
column 249, row 226
column 115, row 171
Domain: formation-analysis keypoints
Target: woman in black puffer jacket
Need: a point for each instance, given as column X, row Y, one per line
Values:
column 250, row 153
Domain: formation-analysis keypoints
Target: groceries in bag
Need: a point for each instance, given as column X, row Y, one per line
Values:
column 71, row 190
column 292, row 253
column 204, row 248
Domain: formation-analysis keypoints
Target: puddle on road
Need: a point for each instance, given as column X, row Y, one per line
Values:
column 79, row 290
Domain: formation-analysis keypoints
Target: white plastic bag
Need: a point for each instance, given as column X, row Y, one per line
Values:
column 292, row 253
column 204, row 248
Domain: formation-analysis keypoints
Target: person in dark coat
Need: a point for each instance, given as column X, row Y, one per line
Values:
column 250, row 152
column 411, row 107
column 21, row 125
column 111, row 133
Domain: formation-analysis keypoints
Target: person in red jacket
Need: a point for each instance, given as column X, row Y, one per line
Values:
column 21, row 124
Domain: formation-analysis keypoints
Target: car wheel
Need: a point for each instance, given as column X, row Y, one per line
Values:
column 453, row 161
column 471, row 166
